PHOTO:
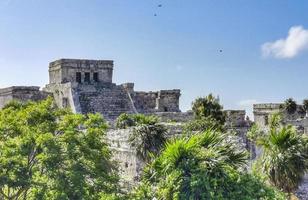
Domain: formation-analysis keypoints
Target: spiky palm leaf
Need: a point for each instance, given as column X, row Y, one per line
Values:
column 284, row 157
column 148, row 139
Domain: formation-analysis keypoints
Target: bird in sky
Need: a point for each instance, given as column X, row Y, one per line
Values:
column 160, row 5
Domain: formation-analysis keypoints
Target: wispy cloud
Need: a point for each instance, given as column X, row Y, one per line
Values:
column 289, row 47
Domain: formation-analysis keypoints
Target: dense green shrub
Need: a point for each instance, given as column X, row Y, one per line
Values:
column 208, row 107
column 204, row 166
column 200, row 125
column 44, row 154
column 130, row 120
column 125, row 121
column 284, row 156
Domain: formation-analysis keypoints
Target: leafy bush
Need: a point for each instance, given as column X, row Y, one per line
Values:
column 284, row 156
column 46, row 155
column 203, row 166
column 125, row 121
column 208, row 107
column 200, row 125
column 141, row 119
column 130, row 120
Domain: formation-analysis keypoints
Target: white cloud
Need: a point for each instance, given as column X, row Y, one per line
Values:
column 296, row 42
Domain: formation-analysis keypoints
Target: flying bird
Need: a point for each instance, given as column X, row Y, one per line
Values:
column 160, row 5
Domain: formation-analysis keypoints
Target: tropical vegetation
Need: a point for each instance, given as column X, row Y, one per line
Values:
column 205, row 166
column 208, row 106
column 130, row 120
column 51, row 153
column 290, row 105
column 284, row 155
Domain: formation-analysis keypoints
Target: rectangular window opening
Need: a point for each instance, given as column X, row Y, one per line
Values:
column 87, row 77
column 95, row 77
column 65, row 103
column 78, row 77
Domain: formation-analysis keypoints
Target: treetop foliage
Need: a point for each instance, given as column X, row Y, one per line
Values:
column 204, row 166
column 130, row 120
column 290, row 105
column 51, row 153
column 208, row 107
column 284, row 158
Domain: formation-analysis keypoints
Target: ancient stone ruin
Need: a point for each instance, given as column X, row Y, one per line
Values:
column 86, row 86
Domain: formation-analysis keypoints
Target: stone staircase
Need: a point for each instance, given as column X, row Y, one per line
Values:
column 109, row 101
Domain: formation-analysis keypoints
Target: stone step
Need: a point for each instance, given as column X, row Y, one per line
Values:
column 109, row 102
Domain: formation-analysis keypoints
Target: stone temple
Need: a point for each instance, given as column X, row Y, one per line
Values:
column 86, row 86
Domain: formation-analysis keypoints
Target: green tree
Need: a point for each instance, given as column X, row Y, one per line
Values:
column 208, row 107
column 50, row 153
column 204, row 166
column 290, row 106
column 148, row 140
column 284, row 155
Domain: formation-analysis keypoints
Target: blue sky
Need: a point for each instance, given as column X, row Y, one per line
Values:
column 178, row 48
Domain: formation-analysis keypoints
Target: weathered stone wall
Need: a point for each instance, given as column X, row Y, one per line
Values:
column 236, row 118
column 110, row 102
column 129, row 165
column 168, row 101
column 262, row 114
column 145, row 102
column 175, row 116
column 65, row 95
column 21, row 93
column 64, row 70
column 73, row 84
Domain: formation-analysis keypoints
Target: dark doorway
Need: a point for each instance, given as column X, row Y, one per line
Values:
column 87, row 77
column 78, row 77
column 95, row 77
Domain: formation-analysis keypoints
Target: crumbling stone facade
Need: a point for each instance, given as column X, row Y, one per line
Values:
column 21, row 93
column 86, row 87
column 263, row 111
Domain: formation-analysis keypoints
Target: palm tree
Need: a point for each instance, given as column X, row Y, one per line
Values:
column 284, row 156
column 148, row 139
column 204, row 166
column 290, row 106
